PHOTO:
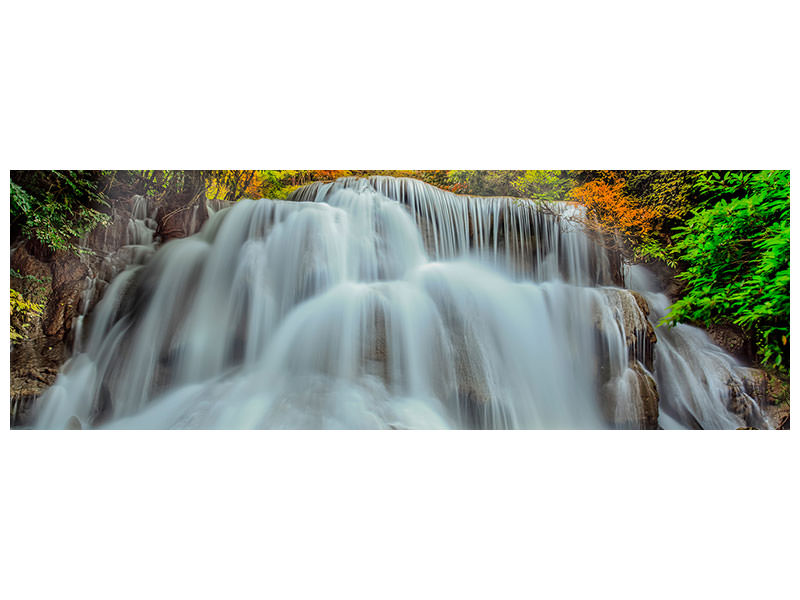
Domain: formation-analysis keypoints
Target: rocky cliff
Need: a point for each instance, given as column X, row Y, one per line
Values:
column 68, row 285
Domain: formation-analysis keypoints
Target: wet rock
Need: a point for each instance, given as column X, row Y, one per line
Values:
column 34, row 367
column 62, row 309
column 180, row 216
column 617, row 267
column 24, row 262
column 755, row 384
column 628, row 392
column 744, row 406
column 733, row 340
column 375, row 352
column 640, row 302
column 427, row 231
column 639, row 333
column 631, row 310
column 472, row 394
column 104, row 240
column 67, row 269
column 73, row 423
column 631, row 400
column 648, row 397
column 776, row 406
column 668, row 282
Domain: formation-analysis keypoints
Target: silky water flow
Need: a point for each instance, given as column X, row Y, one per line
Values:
column 387, row 303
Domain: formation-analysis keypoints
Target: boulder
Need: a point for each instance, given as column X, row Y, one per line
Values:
column 755, row 384
column 630, row 310
column 74, row 423
column 733, row 340
column 630, row 401
column 648, row 399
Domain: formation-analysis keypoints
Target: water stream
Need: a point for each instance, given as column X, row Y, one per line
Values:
column 387, row 303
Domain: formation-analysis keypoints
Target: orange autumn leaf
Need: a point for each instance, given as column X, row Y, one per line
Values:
column 605, row 201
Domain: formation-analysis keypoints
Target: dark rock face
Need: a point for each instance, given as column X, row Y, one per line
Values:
column 667, row 278
column 69, row 276
column 648, row 394
column 55, row 281
column 640, row 335
column 180, row 216
column 733, row 340
column 34, row 367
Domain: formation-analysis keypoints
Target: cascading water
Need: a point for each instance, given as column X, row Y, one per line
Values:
column 697, row 380
column 380, row 303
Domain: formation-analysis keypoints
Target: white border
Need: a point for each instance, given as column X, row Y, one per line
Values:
column 411, row 85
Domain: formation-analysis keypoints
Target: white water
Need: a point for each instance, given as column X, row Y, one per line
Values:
column 694, row 376
column 367, row 304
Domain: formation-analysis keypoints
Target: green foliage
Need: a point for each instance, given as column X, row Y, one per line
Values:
column 276, row 184
column 55, row 207
column 22, row 311
column 652, row 248
column 735, row 249
column 545, row 185
column 669, row 194
column 160, row 183
column 549, row 186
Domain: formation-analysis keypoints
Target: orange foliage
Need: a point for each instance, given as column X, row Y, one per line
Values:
column 252, row 182
column 605, row 201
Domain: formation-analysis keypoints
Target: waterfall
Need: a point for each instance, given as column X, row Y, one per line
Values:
column 697, row 381
column 382, row 303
